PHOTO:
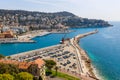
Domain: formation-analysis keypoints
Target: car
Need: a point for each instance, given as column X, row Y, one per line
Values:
column 68, row 62
column 64, row 64
column 60, row 59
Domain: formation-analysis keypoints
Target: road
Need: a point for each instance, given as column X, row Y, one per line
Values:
column 83, row 70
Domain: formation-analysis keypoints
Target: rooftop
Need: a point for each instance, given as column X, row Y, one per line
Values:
column 24, row 64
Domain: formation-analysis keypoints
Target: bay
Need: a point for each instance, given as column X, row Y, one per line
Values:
column 103, row 48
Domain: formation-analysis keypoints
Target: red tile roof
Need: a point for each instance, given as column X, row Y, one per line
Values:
column 24, row 64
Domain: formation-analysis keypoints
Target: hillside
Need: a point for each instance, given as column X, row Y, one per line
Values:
column 41, row 20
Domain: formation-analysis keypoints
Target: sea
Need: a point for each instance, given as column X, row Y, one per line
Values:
column 102, row 48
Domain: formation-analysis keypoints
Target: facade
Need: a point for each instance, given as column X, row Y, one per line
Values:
column 2, row 35
column 24, row 66
column 7, row 34
column 0, row 27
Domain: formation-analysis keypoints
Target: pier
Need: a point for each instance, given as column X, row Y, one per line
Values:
column 84, row 63
column 86, row 34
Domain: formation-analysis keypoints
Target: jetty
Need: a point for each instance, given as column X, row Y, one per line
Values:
column 85, row 67
column 86, row 34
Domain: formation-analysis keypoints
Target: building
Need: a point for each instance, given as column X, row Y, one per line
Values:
column 2, row 35
column 8, row 34
column 24, row 66
column 1, row 27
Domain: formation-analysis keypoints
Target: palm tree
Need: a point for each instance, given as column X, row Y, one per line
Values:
column 56, row 69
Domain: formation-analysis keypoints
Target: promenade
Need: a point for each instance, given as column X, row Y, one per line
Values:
column 84, row 70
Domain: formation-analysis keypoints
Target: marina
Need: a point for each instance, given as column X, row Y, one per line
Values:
column 69, row 53
column 93, row 46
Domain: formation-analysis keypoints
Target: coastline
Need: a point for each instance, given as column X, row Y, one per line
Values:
column 95, row 71
column 87, row 72
column 84, row 56
column 30, row 52
column 27, row 37
column 90, row 67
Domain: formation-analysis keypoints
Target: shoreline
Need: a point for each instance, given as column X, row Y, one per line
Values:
column 96, row 72
column 89, row 65
column 84, row 56
column 27, row 37
column 29, row 52
column 86, row 72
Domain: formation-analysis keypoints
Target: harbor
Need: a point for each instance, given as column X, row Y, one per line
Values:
column 69, row 53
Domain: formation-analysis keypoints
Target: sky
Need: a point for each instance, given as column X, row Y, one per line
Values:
column 94, row 9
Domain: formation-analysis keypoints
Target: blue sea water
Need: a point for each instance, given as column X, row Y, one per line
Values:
column 104, row 51
column 103, row 48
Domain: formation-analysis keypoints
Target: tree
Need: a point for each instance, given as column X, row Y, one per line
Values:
column 33, row 69
column 50, row 64
column 8, row 68
column 7, row 77
column 24, row 76
column 4, row 68
column 56, row 69
column 1, row 78
column 13, row 69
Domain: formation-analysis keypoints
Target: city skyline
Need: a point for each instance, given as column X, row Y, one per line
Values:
column 94, row 9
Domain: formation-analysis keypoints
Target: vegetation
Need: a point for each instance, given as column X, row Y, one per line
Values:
column 6, row 77
column 56, row 69
column 50, row 64
column 8, row 68
column 33, row 69
column 24, row 76
column 62, row 75
column 19, row 76
column 11, row 72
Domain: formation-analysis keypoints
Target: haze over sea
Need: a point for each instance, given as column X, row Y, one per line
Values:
column 103, row 48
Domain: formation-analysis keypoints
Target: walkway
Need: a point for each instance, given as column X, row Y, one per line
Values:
column 83, row 70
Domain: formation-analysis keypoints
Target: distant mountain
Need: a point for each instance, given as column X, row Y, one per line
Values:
column 40, row 20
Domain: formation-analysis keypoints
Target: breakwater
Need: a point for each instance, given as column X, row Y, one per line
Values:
column 84, row 60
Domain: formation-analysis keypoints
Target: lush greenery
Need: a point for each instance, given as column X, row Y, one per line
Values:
column 62, row 75
column 24, row 76
column 8, row 68
column 19, row 76
column 33, row 69
column 50, row 64
column 6, row 77
column 52, row 70
column 11, row 72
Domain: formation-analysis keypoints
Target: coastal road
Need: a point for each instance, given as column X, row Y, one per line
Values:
column 82, row 66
